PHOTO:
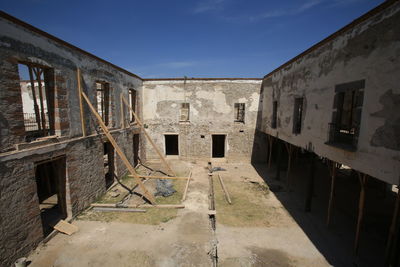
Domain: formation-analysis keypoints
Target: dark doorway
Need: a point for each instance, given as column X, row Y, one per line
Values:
column 136, row 149
column 50, row 184
column 109, row 164
column 171, row 144
column 218, row 145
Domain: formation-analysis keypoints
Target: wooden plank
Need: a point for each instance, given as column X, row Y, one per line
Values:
column 121, row 154
column 166, row 206
column 227, row 197
column 78, row 74
column 65, row 227
column 106, row 209
column 186, row 187
column 162, row 177
column 137, row 120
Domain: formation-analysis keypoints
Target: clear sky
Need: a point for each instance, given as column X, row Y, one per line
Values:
column 193, row 38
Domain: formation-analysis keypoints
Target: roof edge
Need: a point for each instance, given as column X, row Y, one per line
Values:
column 60, row 41
column 355, row 22
column 198, row 79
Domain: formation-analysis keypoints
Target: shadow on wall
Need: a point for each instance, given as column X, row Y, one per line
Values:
column 259, row 148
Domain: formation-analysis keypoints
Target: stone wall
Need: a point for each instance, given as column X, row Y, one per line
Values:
column 211, row 112
column 367, row 51
column 20, row 221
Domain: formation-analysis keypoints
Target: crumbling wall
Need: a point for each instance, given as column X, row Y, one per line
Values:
column 211, row 112
column 366, row 51
column 20, row 223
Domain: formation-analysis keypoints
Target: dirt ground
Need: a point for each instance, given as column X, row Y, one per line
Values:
column 255, row 230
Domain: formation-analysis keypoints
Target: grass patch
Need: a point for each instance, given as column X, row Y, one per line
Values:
column 248, row 207
column 153, row 216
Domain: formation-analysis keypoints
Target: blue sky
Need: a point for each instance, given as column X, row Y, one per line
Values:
column 193, row 38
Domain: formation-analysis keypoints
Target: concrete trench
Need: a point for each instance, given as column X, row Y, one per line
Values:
column 212, row 217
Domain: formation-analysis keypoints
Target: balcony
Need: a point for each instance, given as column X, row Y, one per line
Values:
column 343, row 137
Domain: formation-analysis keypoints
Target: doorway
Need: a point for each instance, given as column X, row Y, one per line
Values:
column 109, row 166
column 50, row 185
column 218, row 145
column 171, row 145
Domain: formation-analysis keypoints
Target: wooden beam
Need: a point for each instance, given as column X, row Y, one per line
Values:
column 310, row 186
column 161, row 177
column 186, row 187
column 331, row 195
column 121, row 154
column 227, row 197
column 166, row 206
column 361, row 205
column 78, row 74
column 107, row 209
column 137, row 120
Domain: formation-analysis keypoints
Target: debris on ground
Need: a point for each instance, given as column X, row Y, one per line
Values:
column 114, row 194
column 216, row 169
column 65, row 227
column 164, row 188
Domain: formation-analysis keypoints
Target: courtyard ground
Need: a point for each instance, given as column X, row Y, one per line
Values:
column 256, row 230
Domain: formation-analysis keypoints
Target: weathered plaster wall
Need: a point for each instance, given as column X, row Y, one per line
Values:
column 369, row 51
column 18, row 44
column 20, row 222
column 211, row 112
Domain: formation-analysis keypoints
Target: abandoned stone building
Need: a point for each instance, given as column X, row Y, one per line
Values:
column 333, row 109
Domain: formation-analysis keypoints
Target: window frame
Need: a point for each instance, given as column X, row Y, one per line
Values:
column 239, row 112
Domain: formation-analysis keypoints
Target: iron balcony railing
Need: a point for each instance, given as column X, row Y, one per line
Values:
column 341, row 135
column 31, row 123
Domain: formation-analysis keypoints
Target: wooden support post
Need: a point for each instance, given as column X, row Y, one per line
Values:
column 121, row 154
column 149, row 138
column 393, row 246
column 270, row 142
column 186, row 187
column 78, row 77
column 38, row 73
column 332, row 192
column 35, row 105
column 289, row 149
column 279, row 160
column 310, row 186
column 361, row 204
